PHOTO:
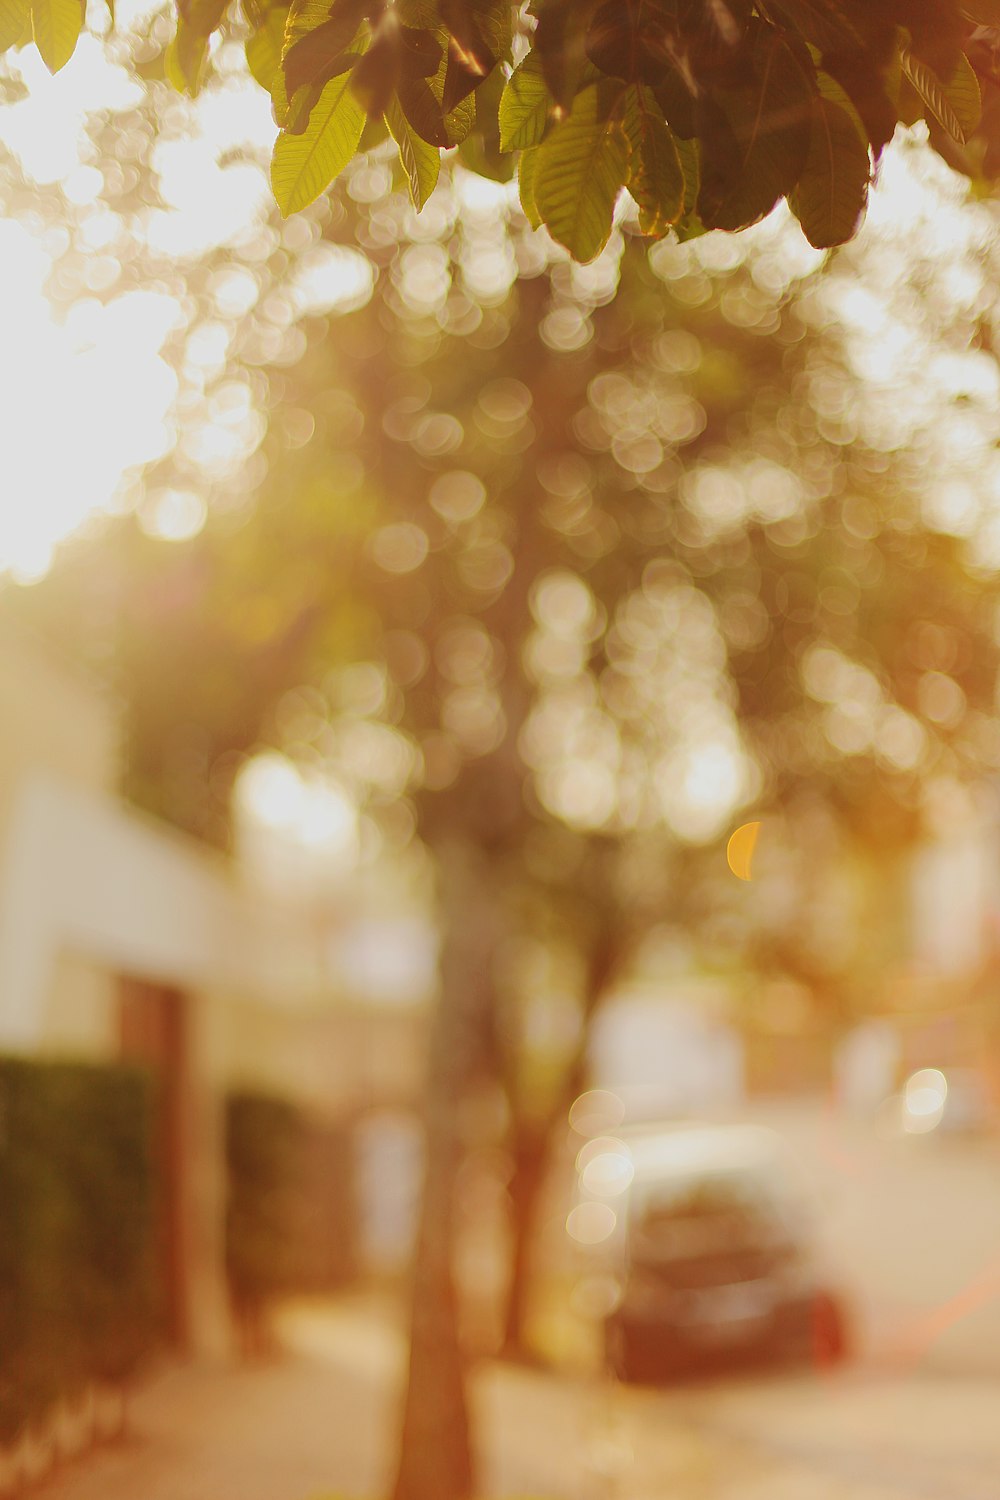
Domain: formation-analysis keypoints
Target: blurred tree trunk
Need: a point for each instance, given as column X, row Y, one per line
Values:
column 470, row 828
column 529, row 1152
column 532, row 1140
column 436, row 1459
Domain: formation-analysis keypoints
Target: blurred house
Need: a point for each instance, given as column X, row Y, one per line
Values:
column 120, row 938
column 936, row 1005
column 923, row 994
column 60, row 726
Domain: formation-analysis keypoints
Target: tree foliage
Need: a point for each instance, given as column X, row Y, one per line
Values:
column 631, row 441
column 707, row 112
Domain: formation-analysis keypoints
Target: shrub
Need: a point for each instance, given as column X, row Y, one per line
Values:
column 77, row 1284
column 291, row 1201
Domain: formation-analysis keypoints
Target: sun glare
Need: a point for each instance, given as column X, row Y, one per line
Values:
column 88, row 398
column 85, row 401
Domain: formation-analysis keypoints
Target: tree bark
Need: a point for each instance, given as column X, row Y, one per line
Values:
column 436, row 1458
column 530, row 1156
column 532, row 1143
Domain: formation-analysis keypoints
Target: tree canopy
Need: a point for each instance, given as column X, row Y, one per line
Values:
column 706, row 112
column 533, row 559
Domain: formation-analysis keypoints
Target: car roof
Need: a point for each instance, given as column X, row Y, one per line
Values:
column 669, row 1152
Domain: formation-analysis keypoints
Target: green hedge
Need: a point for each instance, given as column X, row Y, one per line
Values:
column 77, row 1273
column 291, row 1201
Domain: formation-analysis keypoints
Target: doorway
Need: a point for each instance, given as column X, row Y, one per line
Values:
column 154, row 1033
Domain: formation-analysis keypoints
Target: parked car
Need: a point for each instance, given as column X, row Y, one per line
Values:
column 716, row 1257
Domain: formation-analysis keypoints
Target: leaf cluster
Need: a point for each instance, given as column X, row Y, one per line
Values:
column 707, row 112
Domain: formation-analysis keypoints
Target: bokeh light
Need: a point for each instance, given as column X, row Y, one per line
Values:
column 591, row 1223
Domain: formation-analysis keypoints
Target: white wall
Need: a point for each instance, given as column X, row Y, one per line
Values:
column 954, row 891
column 52, row 718
column 82, row 875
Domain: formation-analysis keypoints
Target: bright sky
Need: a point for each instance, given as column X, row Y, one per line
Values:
column 87, row 398
column 83, row 402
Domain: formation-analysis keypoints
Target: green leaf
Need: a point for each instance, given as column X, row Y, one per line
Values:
column 673, row 94
column 56, row 25
column 308, row 15
column 303, row 165
column 459, row 116
column 527, row 166
column 484, row 158
column 460, row 121
column 857, row 43
column 495, row 21
column 830, row 89
column 956, row 105
column 314, row 54
column 376, row 76
column 462, row 77
column 560, row 42
column 689, row 226
column 299, row 109
column 480, row 151
column 186, row 59
column 280, row 103
column 754, row 139
column 833, row 189
column 477, row 113
column 935, row 28
column 304, row 18
column 580, row 171
column 264, row 47
column 525, row 106
column 418, row 12
column 911, row 108
column 423, row 112
column 690, row 160
column 203, row 16
column 292, row 109
column 620, row 44
column 375, row 133
column 421, row 161
column 655, row 177
column 830, row 28
column 14, row 17
column 479, row 36
column 486, row 106
column 481, row 29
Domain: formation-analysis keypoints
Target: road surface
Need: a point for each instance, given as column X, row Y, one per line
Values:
column 913, row 1230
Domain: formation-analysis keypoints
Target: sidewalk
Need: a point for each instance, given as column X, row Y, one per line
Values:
column 296, row 1428
column 320, row 1423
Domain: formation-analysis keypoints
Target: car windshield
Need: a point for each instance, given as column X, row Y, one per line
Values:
column 706, row 1215
column 704, row 1197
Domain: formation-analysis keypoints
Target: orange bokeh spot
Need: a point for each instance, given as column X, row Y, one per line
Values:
column 740, row 849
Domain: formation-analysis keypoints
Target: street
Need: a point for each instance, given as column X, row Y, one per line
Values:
column 910, row 1228
column 911, row 1234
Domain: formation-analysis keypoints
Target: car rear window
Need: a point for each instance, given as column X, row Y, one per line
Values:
column 707, row 1215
